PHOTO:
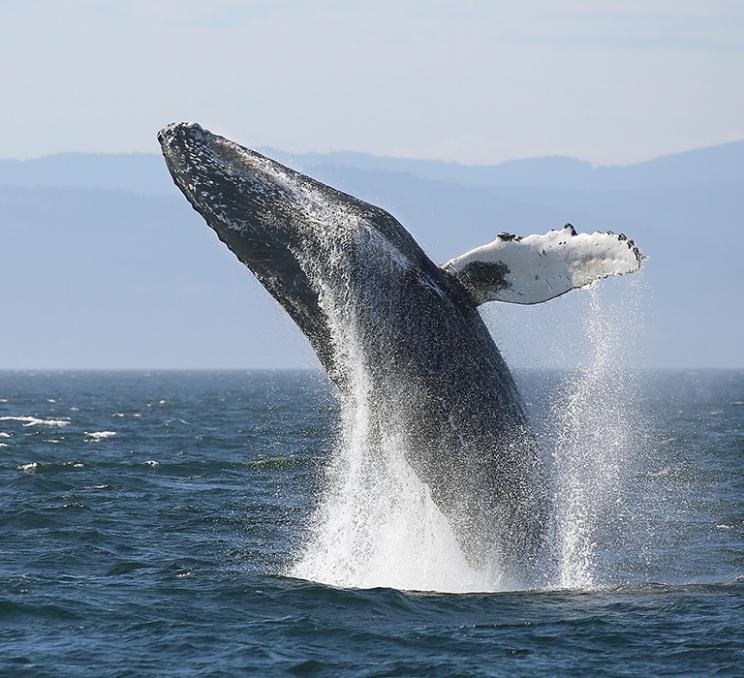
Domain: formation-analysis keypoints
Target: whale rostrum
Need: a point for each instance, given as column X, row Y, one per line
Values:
column 375, row 307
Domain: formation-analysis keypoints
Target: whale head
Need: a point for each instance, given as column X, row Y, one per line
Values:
column 241, row 193
column 281, row 224
column 258, row 208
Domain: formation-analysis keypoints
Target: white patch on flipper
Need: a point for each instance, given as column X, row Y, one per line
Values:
column 535, row 268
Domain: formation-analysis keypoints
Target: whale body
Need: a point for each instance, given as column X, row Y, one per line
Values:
column 372, row 303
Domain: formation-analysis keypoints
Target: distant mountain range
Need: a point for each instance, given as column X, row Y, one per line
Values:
column 104, row 264
column 145, row 173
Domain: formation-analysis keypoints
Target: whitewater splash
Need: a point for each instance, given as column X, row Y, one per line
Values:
column 596, row 431
column 377, row 526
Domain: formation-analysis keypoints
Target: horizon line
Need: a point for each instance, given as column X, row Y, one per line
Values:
column 319, row 370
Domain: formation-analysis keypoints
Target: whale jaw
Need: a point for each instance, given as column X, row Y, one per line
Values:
column 254, row 206
column 233, row 188
column 283, row 225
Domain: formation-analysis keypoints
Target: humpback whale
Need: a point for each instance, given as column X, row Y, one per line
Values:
column 352, row 277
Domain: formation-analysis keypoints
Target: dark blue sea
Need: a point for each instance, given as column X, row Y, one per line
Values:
column 151, row 524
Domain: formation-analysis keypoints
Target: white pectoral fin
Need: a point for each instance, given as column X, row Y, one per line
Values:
column 535, row 268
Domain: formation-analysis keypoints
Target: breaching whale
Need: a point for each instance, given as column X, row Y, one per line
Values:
column 351, row 277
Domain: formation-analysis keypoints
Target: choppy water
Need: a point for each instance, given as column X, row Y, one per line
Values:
column 165, row 548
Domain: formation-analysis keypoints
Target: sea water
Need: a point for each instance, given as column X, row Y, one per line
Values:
column 180, row 523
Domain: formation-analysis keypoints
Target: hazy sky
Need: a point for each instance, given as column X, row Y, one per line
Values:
column 467, row 80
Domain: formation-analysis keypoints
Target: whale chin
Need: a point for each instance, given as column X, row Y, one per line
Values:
column 252, row 204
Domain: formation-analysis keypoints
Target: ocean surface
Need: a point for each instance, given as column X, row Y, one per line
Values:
column 162, row 523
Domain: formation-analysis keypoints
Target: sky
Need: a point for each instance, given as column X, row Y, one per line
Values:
column 469, row 80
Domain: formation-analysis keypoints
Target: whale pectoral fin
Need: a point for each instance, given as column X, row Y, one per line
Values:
column 535, row 268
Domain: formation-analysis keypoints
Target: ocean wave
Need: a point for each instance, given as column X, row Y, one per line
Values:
column 34, row 466
column 97, row 436
column 157, row 403
column 35, row 421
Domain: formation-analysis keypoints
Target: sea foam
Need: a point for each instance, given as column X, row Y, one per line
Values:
column 35, row 421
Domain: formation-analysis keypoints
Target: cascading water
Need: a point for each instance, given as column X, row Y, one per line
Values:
column 376, row 524
column 595, row 430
